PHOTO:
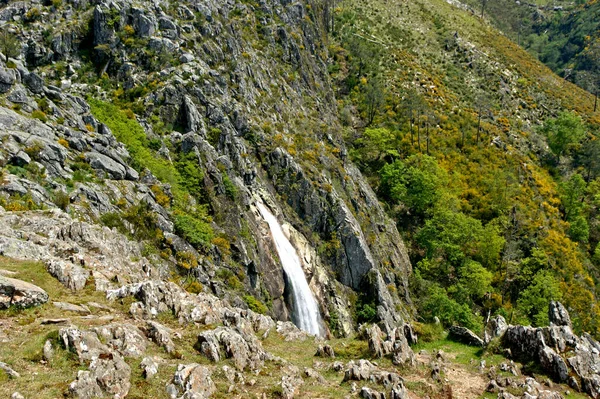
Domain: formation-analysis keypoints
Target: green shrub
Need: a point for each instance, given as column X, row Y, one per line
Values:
column 255, row 305
column 428, row 332
column 197, row 231
column 61, row 199
column 230, row 188
column 37, row 114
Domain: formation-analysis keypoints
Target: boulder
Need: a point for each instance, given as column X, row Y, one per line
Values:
column 106, row 376
column 325, row 351
column 149, row 367
column 194, row 381
column 7, row 79
column 375, row 341
column 245, row 350
column 161, row 335
column 464, row 335
column 20, row 294
column 34, row 83
column 369, row 393
column 495, row 328
column 125, row 338
column 101, row 162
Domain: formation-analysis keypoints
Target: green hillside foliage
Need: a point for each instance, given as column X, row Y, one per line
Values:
column 486, row 159
column 184, row 176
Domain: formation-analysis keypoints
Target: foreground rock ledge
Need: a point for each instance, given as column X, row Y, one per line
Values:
column 20, row 294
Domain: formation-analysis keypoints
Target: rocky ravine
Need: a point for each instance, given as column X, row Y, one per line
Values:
column 240, row 88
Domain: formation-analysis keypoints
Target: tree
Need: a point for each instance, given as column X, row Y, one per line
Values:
column 378, row 142
column 563, row 132
column 373, row 99
column 534, row 300
column 413, row 106
column 9, row 44
column 417, row 183
column 482, row 105
column 572, row 193
column 589, row 158
column 476, row 279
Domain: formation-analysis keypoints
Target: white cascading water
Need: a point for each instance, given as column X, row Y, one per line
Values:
column 306, row 311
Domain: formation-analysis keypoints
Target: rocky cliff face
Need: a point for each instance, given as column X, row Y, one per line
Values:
column 241, row 89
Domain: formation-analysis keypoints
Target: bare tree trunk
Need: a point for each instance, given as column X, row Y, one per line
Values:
column 479, row 127
column 419, row 132
column 427, row 135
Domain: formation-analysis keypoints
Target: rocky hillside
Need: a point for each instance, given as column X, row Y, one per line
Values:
column 140, row 141
column 168, row 123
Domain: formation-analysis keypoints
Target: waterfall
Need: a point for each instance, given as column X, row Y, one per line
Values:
column 305, row 312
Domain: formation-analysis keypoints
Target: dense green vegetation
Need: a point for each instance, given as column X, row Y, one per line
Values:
column 184, row 176
column 493, row 227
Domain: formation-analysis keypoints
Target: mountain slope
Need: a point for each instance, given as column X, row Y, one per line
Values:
column 446, row 86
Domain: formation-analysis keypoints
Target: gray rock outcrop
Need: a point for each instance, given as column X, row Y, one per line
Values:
column 566, row 357
column 20, row 294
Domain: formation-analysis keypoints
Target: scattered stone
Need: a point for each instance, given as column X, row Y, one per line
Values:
column 368, row 393
column 20, row 294
column 54, row 321
column 17, row 395
column 69, row 307
column 464, row 335
column 325, row 351
column 161, row 335
column 48, row 350
column 8, row 370
column 149, row 367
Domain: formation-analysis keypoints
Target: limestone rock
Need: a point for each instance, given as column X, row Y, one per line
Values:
column 464, row 335
column 245, row 350
column 34, row 83
column 375, row 341
column 106, row 376
column 402, row 352
column 558, row 315
column 495, row 328
column 161, row 335
column 20, row 294
column 325, row 351
column 194, row 381
column 564, row 356
column 368, row 393
column 125, row 338
column 149, row 367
